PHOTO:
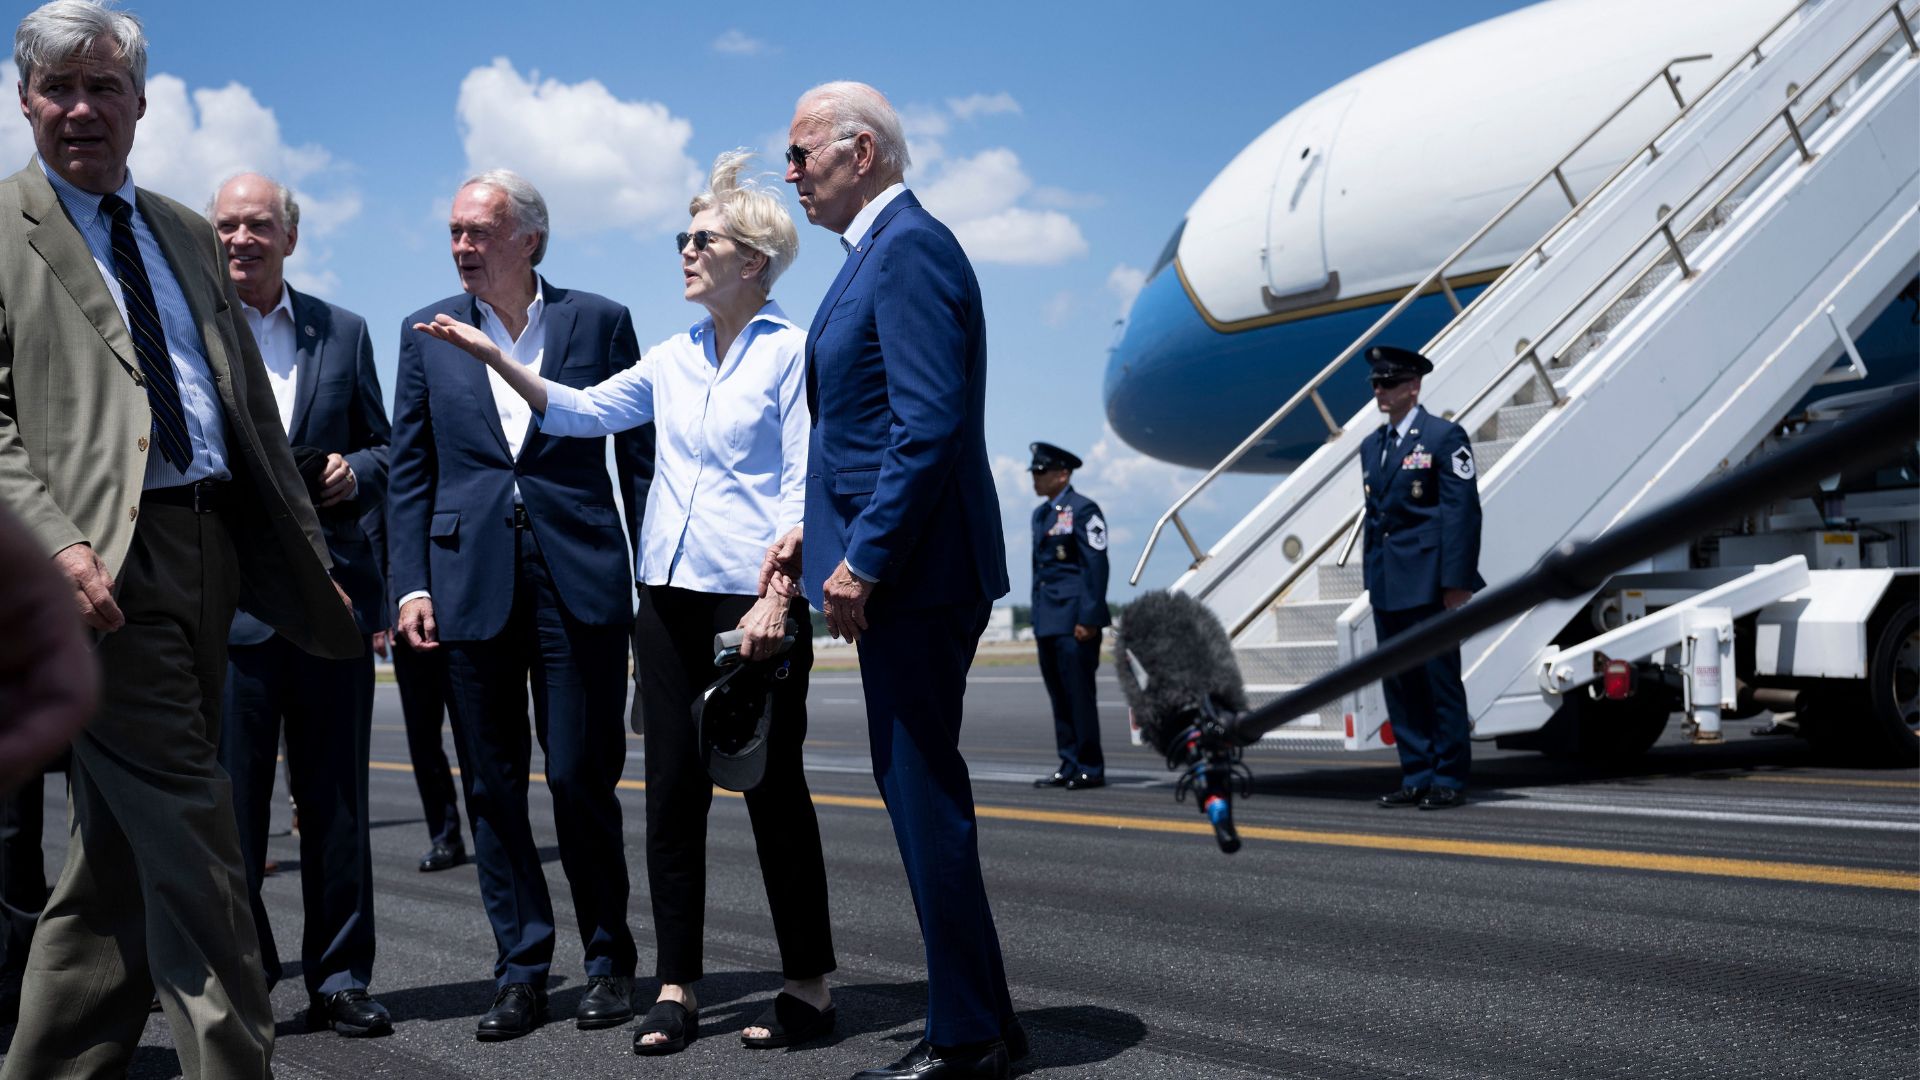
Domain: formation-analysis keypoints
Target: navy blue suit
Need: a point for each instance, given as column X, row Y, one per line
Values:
column 544, row 594
column 899, row 485
column 1070, row 589
column 1423, row 537
column 327, row 705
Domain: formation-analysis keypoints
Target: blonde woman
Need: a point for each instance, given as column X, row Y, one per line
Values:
column 728, row 400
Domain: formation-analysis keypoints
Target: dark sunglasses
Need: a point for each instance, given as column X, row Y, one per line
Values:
column 797, row 155
column 1388, row 382
column 700, row 239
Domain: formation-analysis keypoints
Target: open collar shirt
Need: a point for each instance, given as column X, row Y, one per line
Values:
column 273, row 332
column 206, row 424
column 730, row 457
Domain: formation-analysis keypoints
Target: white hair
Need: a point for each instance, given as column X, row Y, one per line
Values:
column 523, row 201
column 289, row 209
column 855, row 107
column 54, row 33
column 756, row 218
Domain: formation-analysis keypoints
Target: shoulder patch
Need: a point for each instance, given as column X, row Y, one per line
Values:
column 1096, row 533
column 1463, row 463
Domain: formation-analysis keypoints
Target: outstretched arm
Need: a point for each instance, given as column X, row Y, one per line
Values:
column 525, row 381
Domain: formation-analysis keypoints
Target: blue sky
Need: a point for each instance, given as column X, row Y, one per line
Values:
column 1063, row 140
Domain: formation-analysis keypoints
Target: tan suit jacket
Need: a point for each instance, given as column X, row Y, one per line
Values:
column 75, row 423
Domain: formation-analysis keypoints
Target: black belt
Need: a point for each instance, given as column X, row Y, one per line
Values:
column 201, row 496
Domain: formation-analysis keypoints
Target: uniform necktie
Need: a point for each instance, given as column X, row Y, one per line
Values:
column 149, row 340
column 1386, row 443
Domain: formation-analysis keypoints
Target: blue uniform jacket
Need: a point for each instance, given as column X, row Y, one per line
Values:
column 898, row 480
column 338, row 408
column 1069, row 565
column 1422, row 513
column 450, row 525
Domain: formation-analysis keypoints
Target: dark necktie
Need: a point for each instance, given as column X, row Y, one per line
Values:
column 149, row 340
column 1386, row 443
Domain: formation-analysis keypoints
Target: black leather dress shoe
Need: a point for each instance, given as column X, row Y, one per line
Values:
column 1057, row 779
column 1443, row 798
column 928, row 1062
column 1083, row 781
column 608, row 1002
column 351, row 1012
column 517, row 1009
column 442, row 857
column 1405, row 797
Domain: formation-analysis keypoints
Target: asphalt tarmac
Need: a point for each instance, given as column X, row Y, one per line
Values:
column 1734, row 911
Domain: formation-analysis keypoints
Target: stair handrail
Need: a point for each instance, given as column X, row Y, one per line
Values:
column 1438, row 274
column 1661, row 229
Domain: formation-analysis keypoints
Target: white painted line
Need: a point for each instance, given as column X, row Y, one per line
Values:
column 1875, row 824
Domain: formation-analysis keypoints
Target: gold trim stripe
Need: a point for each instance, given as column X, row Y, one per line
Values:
column 1331, row 307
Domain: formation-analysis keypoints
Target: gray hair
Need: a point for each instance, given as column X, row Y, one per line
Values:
column 289, row 209
column 523, row 201
column 756, row 217
column 856, row 107
column 54, row 33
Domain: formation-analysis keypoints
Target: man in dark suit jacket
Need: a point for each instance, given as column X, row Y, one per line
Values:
column 506, row 551
column 140, row 443
column 319, row 362
column 903, row 551
column 1422, row 558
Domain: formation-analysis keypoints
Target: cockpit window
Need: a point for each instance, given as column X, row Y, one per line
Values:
column 1172, row 249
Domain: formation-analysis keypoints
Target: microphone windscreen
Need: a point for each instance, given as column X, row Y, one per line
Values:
column 1172, row 655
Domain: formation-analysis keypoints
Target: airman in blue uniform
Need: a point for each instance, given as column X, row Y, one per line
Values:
column 1422, row 558
column 1069, row 613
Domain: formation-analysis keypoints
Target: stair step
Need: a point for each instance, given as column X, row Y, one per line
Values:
column 1487, row 454
column 1326, row 718
column 1513, row 421
column 1291, row 663
column 1308, row 620
column 1341, row 582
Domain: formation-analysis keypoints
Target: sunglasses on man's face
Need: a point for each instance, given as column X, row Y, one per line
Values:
column 699, row 240
column 1388, row 382
column 797, row 155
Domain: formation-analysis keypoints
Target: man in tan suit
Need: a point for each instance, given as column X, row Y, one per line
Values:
column 140, row 442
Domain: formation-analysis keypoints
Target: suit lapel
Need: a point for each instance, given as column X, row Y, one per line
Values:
column 556, row 333
column 475, row 373
column 848, row 271
column 59, row 242
column 307, row 349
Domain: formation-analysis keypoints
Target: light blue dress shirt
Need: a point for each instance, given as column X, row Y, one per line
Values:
column 206, row 423
column 730, row 447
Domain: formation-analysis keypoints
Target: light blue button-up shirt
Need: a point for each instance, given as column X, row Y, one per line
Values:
column 730, row 447
column 206, row 423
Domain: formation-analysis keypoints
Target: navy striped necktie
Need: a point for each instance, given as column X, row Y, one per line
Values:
column 149, row 339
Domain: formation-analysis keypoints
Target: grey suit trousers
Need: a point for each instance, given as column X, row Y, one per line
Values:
column 152, row 896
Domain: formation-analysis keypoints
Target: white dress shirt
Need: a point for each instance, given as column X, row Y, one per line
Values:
column 274, row 333
column 515, row 414
column 862, row 221
column 730, row 454
column 1397, row 432
column 206, row 423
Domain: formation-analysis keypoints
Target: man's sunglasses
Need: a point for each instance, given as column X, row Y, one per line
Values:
column 700, row 239
column 1388, row 382
column 797, row 155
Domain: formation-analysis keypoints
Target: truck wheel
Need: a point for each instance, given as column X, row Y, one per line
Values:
column 1891, row 726
column 1616, row 731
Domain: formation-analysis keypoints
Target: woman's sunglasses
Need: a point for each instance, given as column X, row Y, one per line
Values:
column 699, row 239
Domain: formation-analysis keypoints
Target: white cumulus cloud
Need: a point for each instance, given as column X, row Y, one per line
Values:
column 976, row 105
column 737, row 42
column 601, row 162
column 189, row 141
column 1125, row 283
column 978, row 198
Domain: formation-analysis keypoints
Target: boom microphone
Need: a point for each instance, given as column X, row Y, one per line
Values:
column 1185, row 691
column 1173, row 657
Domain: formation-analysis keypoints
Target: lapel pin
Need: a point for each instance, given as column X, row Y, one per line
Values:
column 311, row 332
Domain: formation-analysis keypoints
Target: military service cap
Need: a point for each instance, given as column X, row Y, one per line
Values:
column 1047, row 457
column 1397, row 364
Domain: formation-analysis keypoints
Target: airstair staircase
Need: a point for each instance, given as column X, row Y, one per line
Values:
column 1652, row 338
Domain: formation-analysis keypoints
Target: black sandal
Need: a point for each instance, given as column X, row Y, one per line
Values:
column 790, row 1022
column 679, row 1024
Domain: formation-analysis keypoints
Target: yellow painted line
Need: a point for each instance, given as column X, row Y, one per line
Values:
column 1703, row 865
